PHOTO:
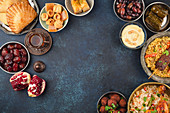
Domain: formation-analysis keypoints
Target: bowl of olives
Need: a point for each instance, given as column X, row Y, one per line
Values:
column 128, row 10
column 112, row 102
column 14, row 57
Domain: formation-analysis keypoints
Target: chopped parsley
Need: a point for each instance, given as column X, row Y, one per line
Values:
column 155, row 111
column 144, row 104
column 160, row 46
column 158, row 94
column 165, row 99
column 107, row 108
column 98, row 106
column 154, row 50
column 137, row 109
column 150, row 101
column 164, row 63
column 113, row 106
column 166, row 52
column 144, row 110
column 152, row 97
column 144, row 99
column 110, row 112
column 160, row 61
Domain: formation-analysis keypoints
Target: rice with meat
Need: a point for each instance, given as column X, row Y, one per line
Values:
column 147, row 99
column 154, row 51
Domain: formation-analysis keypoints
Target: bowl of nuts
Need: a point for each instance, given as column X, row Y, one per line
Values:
column 129, row 10
column 14, row 57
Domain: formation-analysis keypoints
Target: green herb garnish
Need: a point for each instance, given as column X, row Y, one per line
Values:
column 98, row 106
column 113, row 105
column 154, row 50
column 160, row 46
column 110, row 112
column 144, row 104
column 164, row 63
column 158, row 94
column 144, row 110
column 152, row 97
column 144, row 99
column 155, row 111
column 137, row 109
column 165, row 99
column 107, row 108
column 166, row 52
column 160, row 61
column 150, row 101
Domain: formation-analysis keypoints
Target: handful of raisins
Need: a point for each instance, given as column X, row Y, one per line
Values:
column 129, row 9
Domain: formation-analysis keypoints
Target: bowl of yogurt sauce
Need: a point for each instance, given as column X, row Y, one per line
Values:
column 133, row 35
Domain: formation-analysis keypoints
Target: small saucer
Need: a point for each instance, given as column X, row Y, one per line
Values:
column 38, row 50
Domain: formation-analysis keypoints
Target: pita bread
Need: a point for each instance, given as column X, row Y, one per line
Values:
column 4, row 4
column 19, row 15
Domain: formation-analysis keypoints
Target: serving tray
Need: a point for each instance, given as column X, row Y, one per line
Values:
column 7, row 30
column 143, row 63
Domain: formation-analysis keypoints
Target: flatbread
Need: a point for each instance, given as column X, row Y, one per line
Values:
column 19, row 15
column 4, row 4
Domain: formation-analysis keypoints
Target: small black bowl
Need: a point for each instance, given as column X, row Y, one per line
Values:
column 133, row 23
column 126, row 20
column 107, row 95
column 166, row 26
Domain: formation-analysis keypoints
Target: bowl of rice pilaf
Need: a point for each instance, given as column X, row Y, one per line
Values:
column 150, row 97
column 155, row 57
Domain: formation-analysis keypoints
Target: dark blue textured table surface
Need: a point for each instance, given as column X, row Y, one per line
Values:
column 86, row 60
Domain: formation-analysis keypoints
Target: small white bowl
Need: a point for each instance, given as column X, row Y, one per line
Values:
column 43, row 23
column 70, row 9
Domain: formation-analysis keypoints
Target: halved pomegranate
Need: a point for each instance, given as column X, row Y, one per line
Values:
column 20, row 80
column 36, row 86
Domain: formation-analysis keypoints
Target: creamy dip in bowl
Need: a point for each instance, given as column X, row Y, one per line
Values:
column 133, row 35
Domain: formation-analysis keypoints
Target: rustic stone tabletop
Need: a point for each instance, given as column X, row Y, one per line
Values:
column 86, row 60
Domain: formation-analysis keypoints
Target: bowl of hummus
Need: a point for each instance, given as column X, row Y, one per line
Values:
column 133, row 35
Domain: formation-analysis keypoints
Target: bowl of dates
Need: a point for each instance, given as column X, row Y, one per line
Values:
column 14, row 57
column 112, row 102
column 128, row 10
column 156, row 17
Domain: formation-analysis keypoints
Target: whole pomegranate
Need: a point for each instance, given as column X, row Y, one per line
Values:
column 20, row 80
column 36, row 86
